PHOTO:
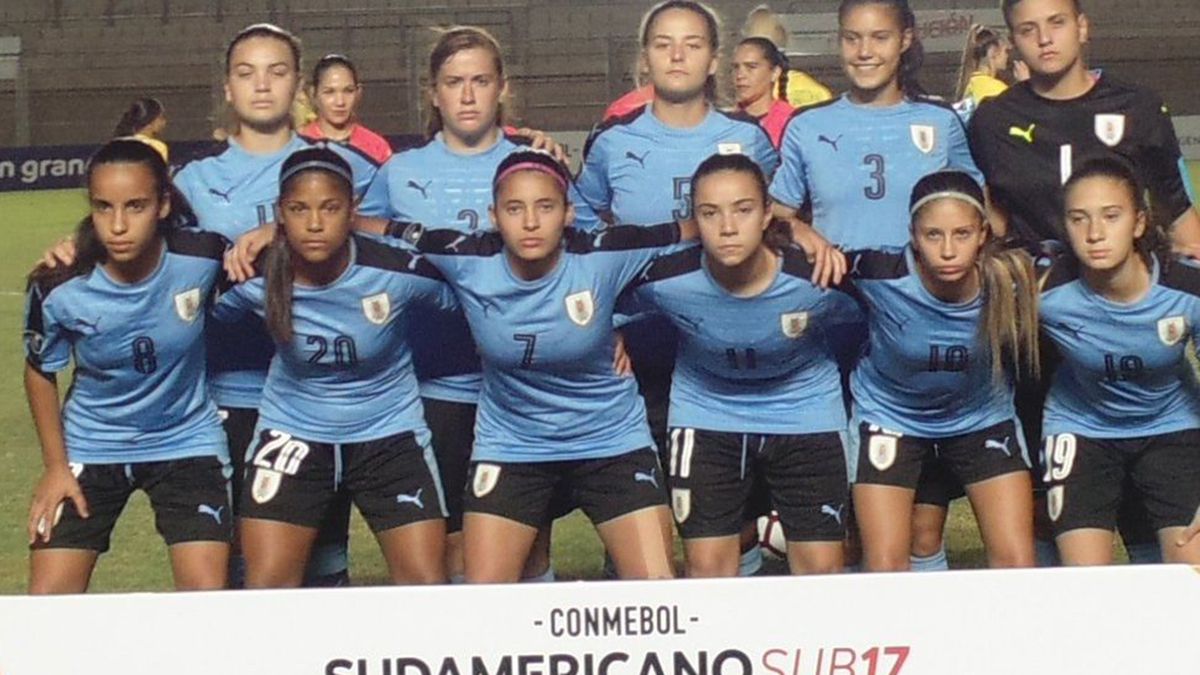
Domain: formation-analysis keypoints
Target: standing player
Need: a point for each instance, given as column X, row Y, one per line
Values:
column 1028, row 141
column 448, row 181
column 129, row 311
column 638, row 168
column 145, row 120
column 760, row 73
column 556, row 424
column 986, row 58
column 1123, row 410
column 340, row 410
column 952, row 318
column 337, row 93
column 756, row 394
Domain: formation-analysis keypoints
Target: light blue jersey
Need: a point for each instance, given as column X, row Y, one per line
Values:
column 139, row 392
column 232, row 193
column 926, row 372
column 758, row 365
column 639, row 170
column 1124, row 370
column 346, row 376
column 857, row 165
column 435, row 185
column 549, row 389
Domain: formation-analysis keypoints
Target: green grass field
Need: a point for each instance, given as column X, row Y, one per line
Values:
column 30, row 222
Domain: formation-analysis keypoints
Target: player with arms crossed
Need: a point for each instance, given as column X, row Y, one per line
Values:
column 340, row 409
column 952, row 317
column 130, row 312
column 756, row 395
column 1123, row 410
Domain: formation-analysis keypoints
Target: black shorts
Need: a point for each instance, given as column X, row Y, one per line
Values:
column 938, row 486
column 239, row 424
column 1085, row 478
column 890, row 458
column 533, row 493
column 189, row 497
column 712, row 475
column 392, row 480
column 452, row 426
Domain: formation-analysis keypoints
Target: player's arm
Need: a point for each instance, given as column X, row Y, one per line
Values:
column 788, row 191
column 829, row 264
column 996, row 215
column 57, row 483
column 1185, row 234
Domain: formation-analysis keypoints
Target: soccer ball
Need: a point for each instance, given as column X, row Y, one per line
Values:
column 770, row 536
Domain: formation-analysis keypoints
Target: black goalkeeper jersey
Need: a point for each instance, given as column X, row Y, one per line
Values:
column 1027, row 146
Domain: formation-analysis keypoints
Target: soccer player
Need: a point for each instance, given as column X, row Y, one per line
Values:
column 340, row 409
column 952, row 317
column 986, row 58
column 760, row 73
column 556, row 424
column 129, row 312
column 1028, row 141
column 638, row 168
column 756, row 395
column 337, row 93
column 1123, row 410
column 145, row 119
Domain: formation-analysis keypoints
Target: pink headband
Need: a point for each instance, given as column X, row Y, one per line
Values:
column 533, row 166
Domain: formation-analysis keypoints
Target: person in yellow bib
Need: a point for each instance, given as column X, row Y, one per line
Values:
column 802, row 88
column 145, row 119
column 986, row 58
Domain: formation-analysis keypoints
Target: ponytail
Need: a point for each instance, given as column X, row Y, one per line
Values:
column 139, row 115
column 280, row 278
column 980, row 41
column 1009, row 321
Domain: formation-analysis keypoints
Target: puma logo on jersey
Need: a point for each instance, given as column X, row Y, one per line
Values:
column 650, row 477
column 210, row 511
column 830, row 511
column 833, row 142
column 222, row 195
column 453, row 246
column 423, row 189
column 1002, row 446
column 640, row 160
column 1026, row 134
column 414, row 499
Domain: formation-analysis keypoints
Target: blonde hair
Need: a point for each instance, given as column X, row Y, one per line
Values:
column 1009, row 321
column 980, row 40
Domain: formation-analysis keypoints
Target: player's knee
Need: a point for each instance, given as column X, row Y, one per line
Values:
column 712, row 565
column 926, row 541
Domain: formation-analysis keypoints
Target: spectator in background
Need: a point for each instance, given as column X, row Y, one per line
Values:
column 336, row 91
column 760, row 76
column 145, row 119
column 802, row 89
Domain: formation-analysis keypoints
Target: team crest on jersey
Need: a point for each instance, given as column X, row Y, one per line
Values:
column 924, row 137
column 881, row 450
column 266, row 485
column 1054, row 502
column 580, row 308
column 1172, row 330
column 794, row 324
column 1110, row 129
column 681, row 504
column 486, row 477
column 729, row 148
column 377, row 308
column 187, row 304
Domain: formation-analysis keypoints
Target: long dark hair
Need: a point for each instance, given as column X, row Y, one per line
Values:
column 329, row 61
column 1008, row 325
column 778, row 234
column 913, row 57
column 451, row 42
column 89, row 250
column 711, row 21
column 139, row 115
column 278, row 270
column 776, row 58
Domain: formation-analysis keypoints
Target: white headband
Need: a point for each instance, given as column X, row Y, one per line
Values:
column 949, row 194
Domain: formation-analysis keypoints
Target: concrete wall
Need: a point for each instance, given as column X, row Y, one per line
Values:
column 83, row 60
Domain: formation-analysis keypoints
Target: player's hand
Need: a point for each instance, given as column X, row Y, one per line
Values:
column 62, row 253
column 829, row 264
column 540, row 140
column 1190, row 532
column 622, row 364
column 239, row 259
column 55, row 487
column 689, row 230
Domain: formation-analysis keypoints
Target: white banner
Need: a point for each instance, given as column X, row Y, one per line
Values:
column 1117, row 620
column 940, row 30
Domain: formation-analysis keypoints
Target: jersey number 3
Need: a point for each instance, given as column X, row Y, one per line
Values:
column 878, row 189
